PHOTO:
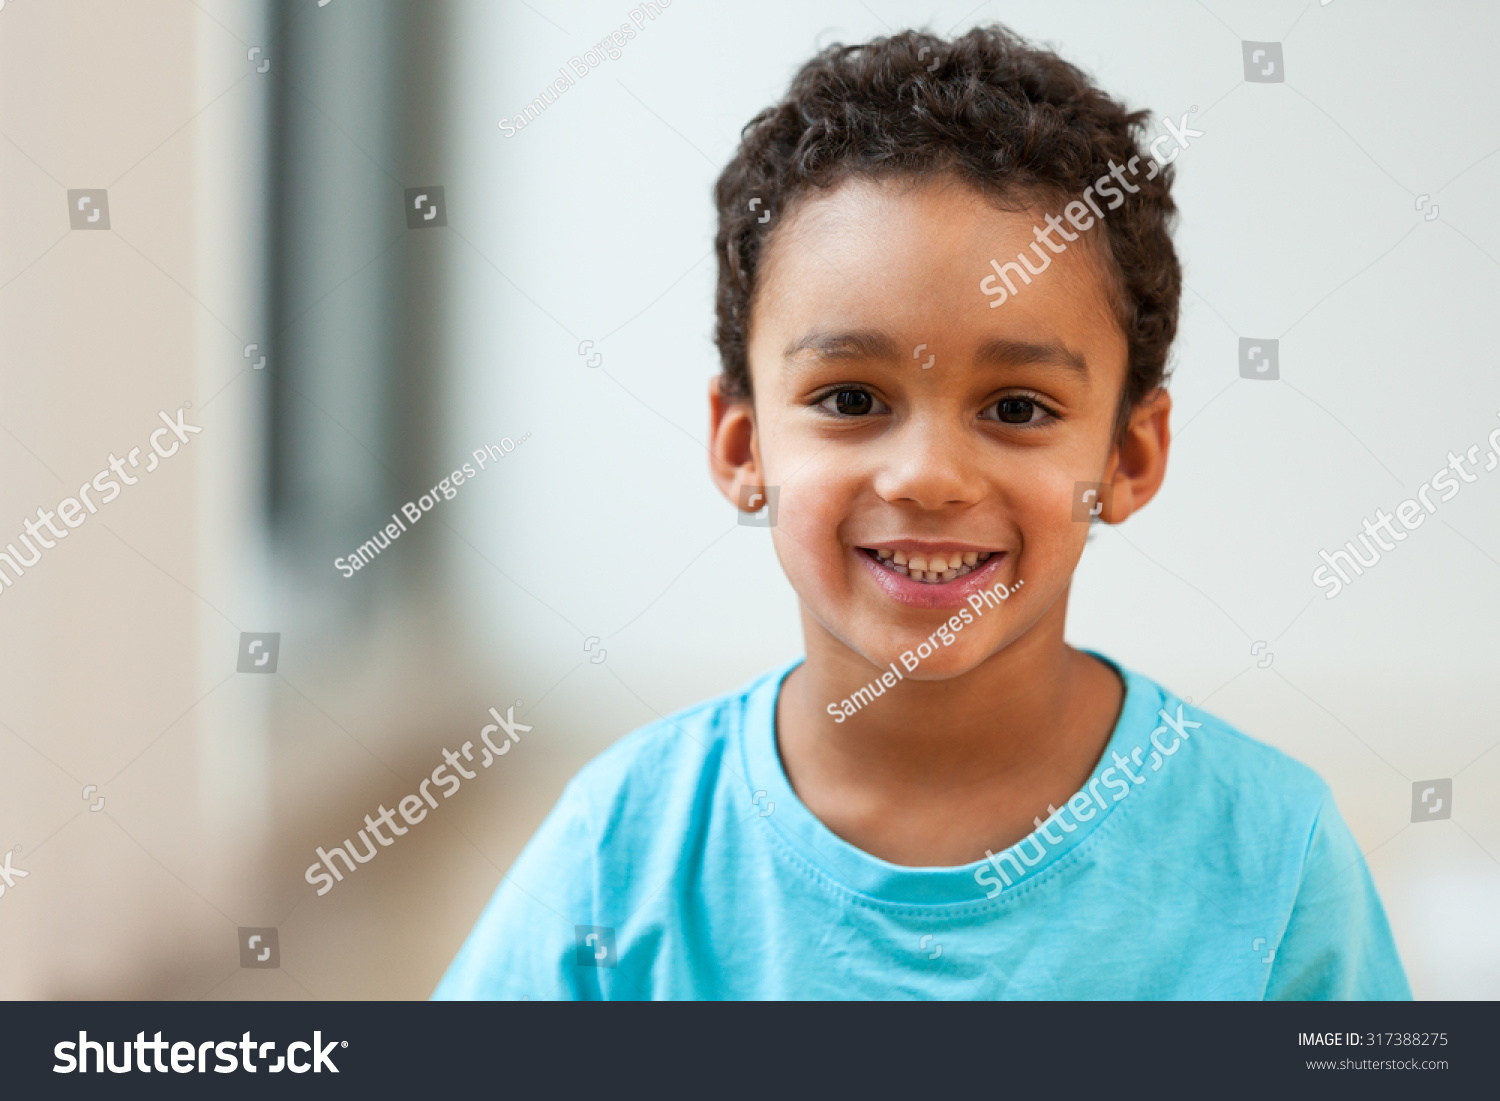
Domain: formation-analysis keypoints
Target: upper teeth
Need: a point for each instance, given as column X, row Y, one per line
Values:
column 932, row 567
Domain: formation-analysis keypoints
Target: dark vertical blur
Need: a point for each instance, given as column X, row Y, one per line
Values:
column 356, row 297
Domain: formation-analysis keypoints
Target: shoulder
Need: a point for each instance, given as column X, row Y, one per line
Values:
column 1238, row 765
column 1255, row 807
column 1270, row 841
column 624, row 826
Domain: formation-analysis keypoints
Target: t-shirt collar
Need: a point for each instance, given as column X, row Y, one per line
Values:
column 993, row 879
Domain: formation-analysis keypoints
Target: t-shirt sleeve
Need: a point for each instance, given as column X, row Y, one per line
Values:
column 524, row 944
column 1337, row 944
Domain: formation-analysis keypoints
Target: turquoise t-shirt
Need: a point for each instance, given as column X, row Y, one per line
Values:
column 1196, row 863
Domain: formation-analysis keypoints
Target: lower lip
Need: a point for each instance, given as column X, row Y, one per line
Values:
column 925, row 594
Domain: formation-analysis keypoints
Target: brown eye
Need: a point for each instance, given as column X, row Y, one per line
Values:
column 1015, row 410
column 853, row 403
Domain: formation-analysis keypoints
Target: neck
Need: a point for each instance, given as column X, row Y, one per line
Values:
column 1036, row 706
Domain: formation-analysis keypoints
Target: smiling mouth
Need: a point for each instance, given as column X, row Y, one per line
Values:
column 930, row 569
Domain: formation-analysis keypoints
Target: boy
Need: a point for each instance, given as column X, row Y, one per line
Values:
column 944, row 800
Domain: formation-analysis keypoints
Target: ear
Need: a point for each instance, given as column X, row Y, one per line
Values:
column 1138, row 462
column 733, row 449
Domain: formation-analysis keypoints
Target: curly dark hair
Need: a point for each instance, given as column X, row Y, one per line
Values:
column 1011, row 119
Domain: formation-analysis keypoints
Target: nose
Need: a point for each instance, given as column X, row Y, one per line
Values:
column 930, row 464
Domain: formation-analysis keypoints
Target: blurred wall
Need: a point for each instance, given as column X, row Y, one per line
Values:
column 134, row 773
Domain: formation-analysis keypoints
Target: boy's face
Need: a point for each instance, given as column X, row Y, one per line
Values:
column 906, row 421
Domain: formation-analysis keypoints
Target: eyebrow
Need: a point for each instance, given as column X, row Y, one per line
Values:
column 854, row 344
column 1021, row 353
column 871, row 344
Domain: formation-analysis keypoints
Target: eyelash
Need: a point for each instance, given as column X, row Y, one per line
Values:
column 1048, row 413
column 821, row 403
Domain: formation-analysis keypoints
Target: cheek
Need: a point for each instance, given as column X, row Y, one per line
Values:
column 816, row 498
column 1042, row 507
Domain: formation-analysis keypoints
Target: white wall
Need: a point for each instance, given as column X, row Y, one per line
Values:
column 1299, row 222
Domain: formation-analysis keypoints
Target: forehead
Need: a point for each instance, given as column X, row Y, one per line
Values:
column 907, row 258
